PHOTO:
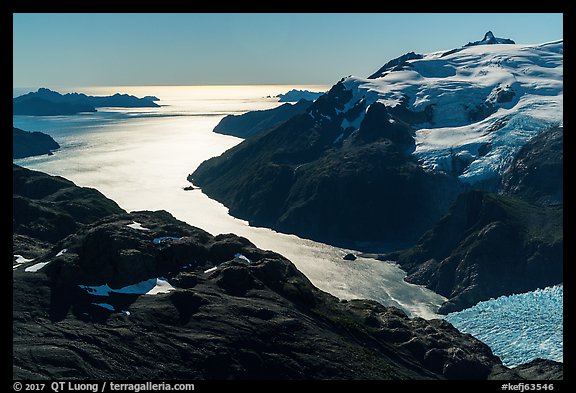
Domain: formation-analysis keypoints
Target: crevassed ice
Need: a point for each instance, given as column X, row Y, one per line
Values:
column 518, row 328
column 462, row 81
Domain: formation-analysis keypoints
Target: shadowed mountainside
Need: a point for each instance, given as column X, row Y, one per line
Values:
column 224, row 310
column 302, row 178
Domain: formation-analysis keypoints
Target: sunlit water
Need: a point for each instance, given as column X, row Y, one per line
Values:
column 141, row 157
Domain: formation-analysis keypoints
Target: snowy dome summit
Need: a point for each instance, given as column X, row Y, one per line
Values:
column 473, row 107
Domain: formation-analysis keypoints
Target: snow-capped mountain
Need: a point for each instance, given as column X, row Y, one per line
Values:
column 478, row 104
column 381, row 159
column 408, row 161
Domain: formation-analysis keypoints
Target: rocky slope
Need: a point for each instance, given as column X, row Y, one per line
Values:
column 46, row 102
column 145, row 296
column 490, row 39
column 254, row 122
column 48, row 208
column 313, row 178
column 27, row 144
column 487, row 245
column 490, row 245
column 537, row 171
column 380, row 160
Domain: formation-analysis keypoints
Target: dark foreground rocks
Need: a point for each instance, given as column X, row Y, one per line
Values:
column 48, row 208
column 145, row 296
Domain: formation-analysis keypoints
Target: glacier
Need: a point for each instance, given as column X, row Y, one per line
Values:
column 487, row 102
column 518, row 328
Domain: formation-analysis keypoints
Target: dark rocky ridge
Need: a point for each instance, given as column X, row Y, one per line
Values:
column 46, row 102
column 487, row 245
column 254, row 122
column 243, row 321
column 490, row 245
column 490, row 39
column 540, row 369
column 27, row 144
column 261, row 319
column 537, row 171
column 311, row 177
column 48, row 208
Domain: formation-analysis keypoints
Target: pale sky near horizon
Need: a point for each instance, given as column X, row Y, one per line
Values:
column 66, row 50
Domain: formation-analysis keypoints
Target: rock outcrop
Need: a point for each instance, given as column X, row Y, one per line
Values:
column 145, row 296
column 48, row 208
column 339, row 185
column 537, row 171
column 486, row 246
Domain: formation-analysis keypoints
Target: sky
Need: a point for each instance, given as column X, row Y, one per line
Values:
column 67, row 50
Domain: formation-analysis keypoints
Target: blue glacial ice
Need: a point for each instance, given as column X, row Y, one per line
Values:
column 518, row 328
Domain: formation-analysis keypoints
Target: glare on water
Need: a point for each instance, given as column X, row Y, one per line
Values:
column 141, row 157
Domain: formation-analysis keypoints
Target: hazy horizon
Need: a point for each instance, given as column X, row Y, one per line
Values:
column 143, row 90
column 68, row 50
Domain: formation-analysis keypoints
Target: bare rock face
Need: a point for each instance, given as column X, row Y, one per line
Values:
column 537, row 172
column 145, row 296
column 316, row 177
column 234, row 312
column 48, row 208
column 488, row 245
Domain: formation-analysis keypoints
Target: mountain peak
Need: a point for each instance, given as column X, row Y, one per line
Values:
column 489, row 39
column 489, row 36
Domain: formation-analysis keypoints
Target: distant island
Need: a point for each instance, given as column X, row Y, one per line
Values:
column 296, row 95
column 28, row 144
column 46, row 102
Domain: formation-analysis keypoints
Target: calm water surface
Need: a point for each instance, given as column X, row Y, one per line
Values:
column 141, row 157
